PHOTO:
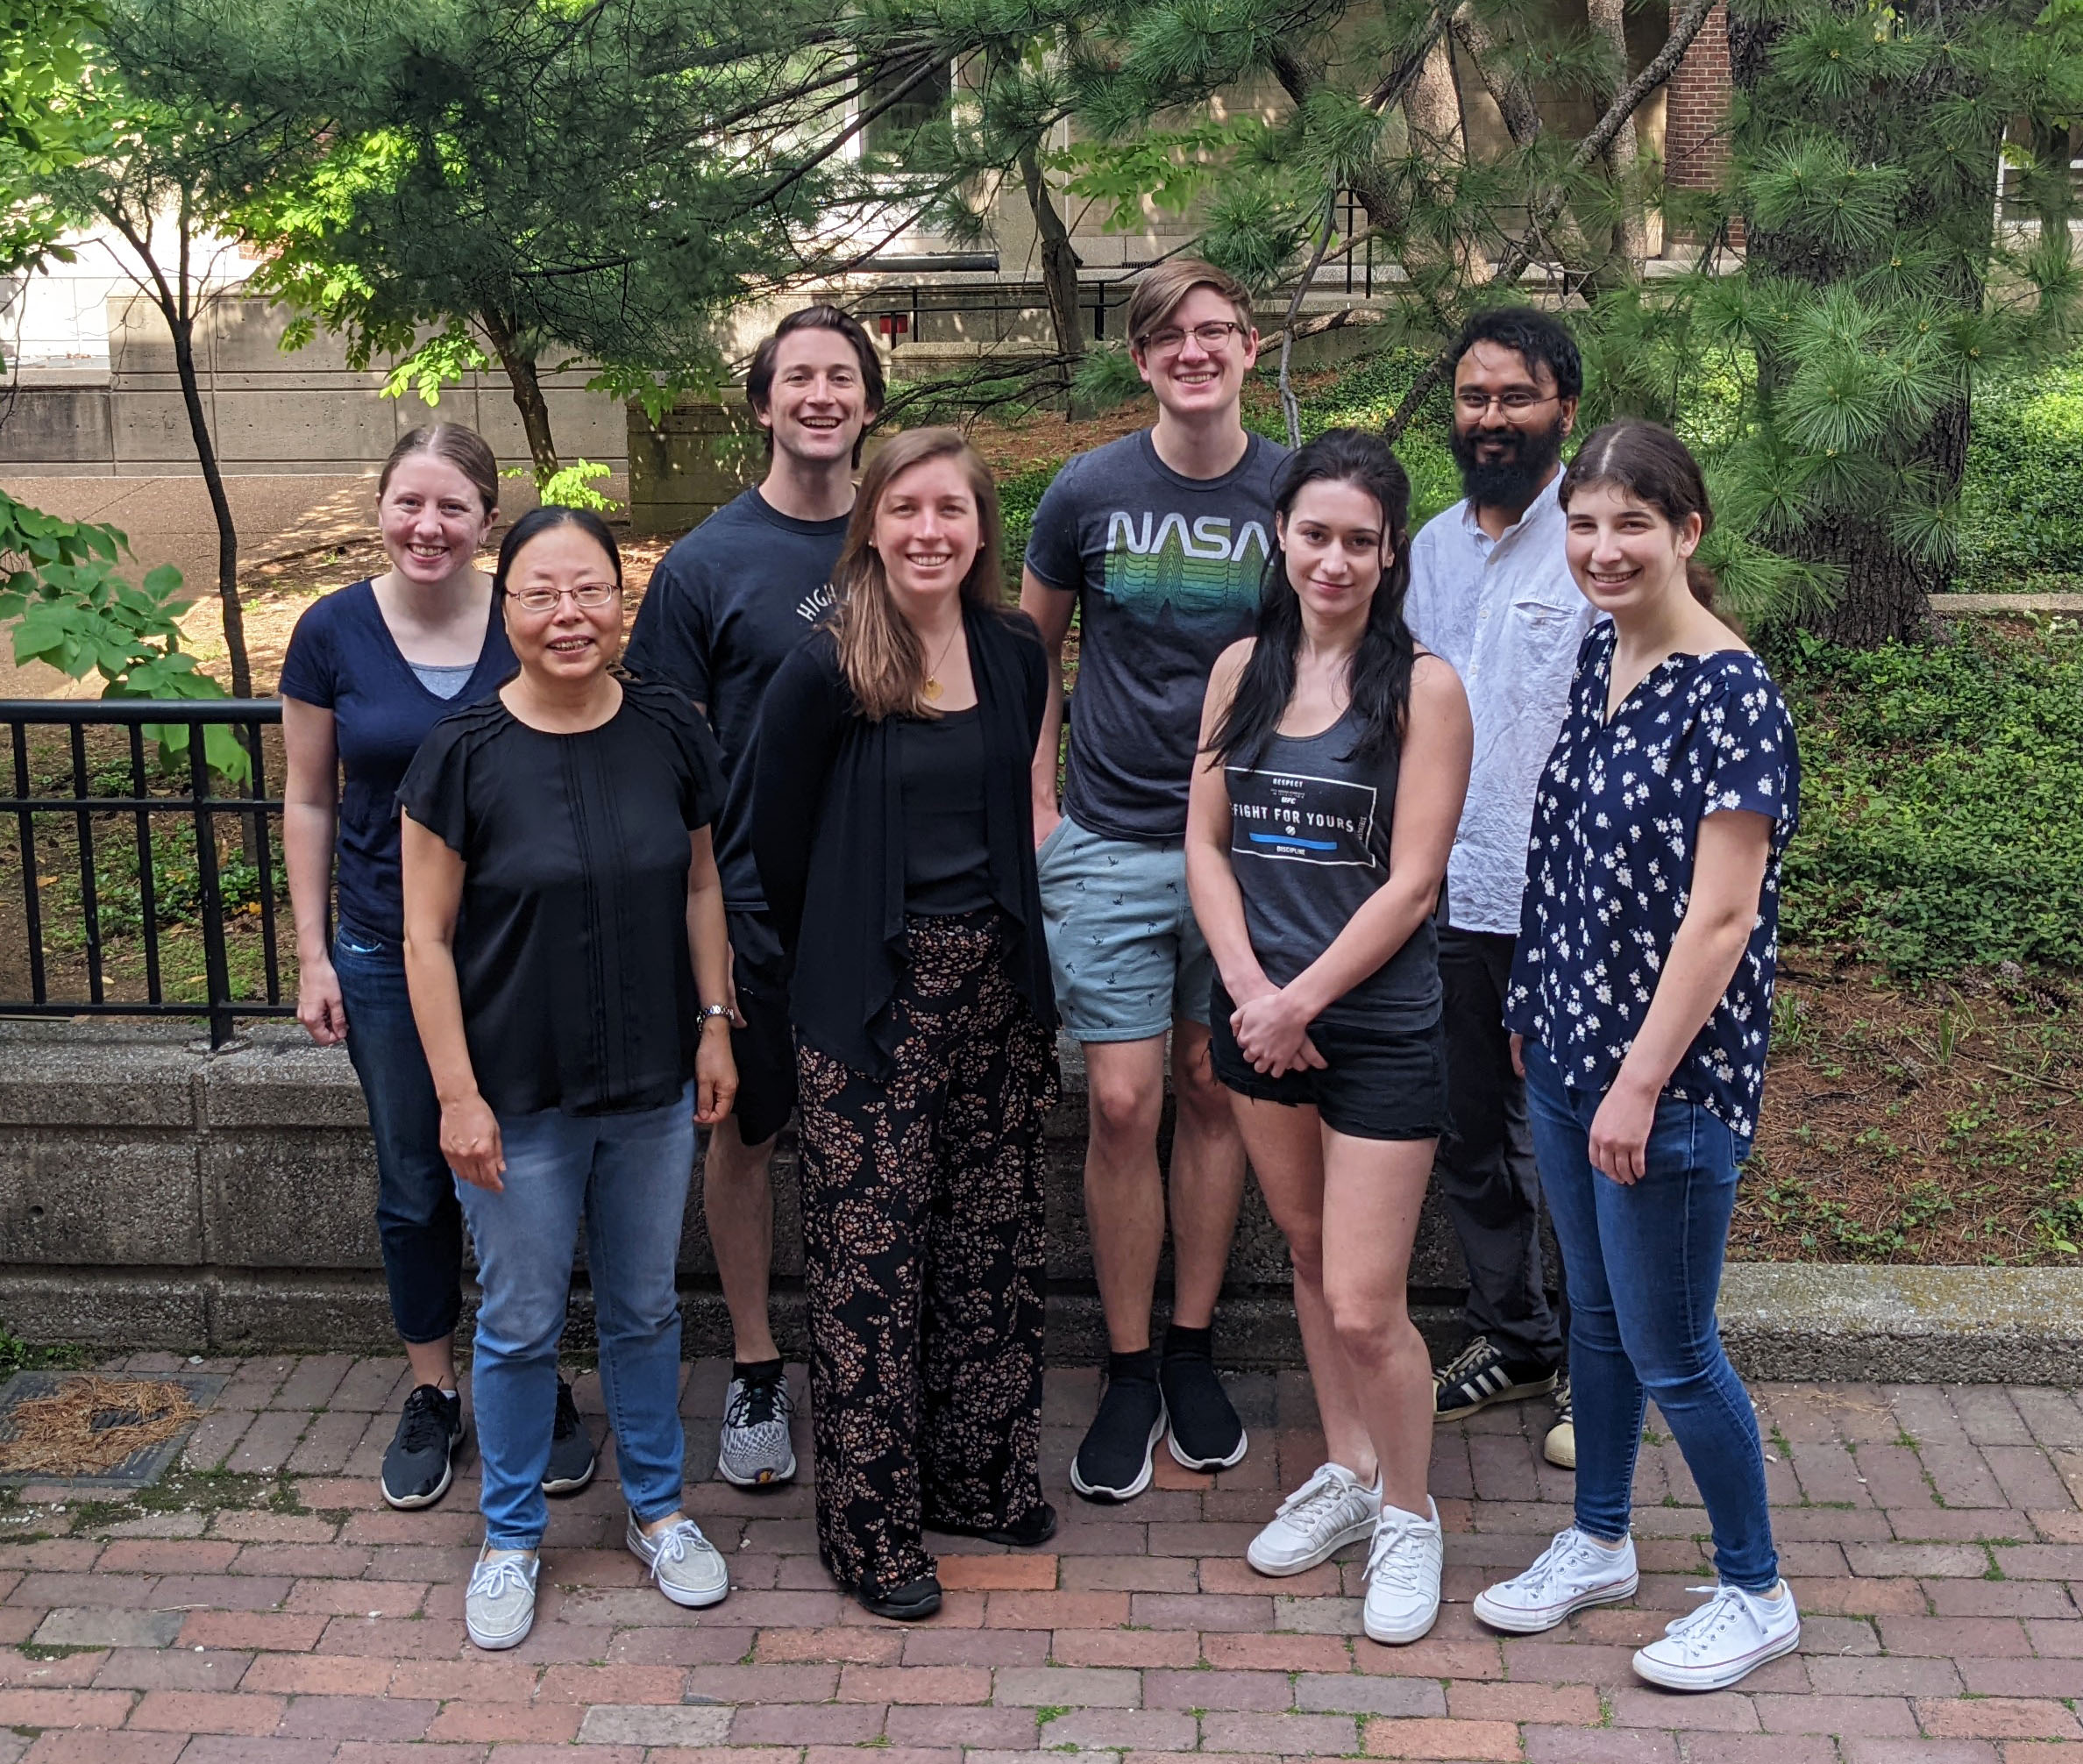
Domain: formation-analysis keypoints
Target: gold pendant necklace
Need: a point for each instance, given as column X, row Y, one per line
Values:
column 933, row 688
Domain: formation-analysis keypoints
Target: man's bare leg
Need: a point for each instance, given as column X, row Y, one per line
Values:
column 1207, row 1179
column 1124, row 1193
column 737, row 1201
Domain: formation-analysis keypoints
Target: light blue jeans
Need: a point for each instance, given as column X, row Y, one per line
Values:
column 1644, row 1265
column 627, row 1175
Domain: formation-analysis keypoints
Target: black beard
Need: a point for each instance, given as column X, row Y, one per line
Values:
column 1514, row 480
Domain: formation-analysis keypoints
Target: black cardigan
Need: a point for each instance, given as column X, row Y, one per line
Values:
column 828, row 834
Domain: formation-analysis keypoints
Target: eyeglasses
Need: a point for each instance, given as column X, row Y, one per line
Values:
column 1212, row 335
column 1515, row 403
column 548, row 599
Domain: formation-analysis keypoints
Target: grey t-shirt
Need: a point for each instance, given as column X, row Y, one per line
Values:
column 1167, row 572
column 1310, row 827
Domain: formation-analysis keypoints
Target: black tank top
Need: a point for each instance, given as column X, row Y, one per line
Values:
column 1309, row 844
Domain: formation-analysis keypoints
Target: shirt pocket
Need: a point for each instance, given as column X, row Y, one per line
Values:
column 1546, row 634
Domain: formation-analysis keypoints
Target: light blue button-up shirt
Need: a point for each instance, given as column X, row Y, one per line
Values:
column 1507, row 616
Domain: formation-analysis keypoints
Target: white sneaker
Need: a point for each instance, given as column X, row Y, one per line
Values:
column 1726, row 1639
column 498, row 1606
column 686, row 1566
column 1571, row 1573
column 1332, row 1509
column 1403, row 1576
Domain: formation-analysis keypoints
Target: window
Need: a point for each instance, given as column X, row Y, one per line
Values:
column 925, row 97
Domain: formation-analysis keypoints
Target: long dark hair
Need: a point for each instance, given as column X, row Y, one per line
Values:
column 1381, row 666
column 1645, row 460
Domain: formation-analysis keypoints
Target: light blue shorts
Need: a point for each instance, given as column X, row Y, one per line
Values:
column 1128, row 958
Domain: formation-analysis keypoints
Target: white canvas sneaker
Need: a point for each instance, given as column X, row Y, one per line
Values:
column 1403, row 1576
column 686, row 1566
column 1332, row 1509
column 499, row 1604
column 1725, row 1639
column 1570, row 1573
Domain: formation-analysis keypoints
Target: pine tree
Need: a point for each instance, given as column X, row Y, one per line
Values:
column 1880, row 282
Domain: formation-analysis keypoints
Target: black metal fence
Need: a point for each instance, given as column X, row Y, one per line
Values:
column 117, row 791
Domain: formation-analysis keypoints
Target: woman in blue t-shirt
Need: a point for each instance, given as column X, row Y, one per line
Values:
column 371, row 669
column 1640, row 1002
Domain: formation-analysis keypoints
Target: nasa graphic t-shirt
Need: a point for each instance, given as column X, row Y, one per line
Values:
column 1310, row 829
column 1167, row 572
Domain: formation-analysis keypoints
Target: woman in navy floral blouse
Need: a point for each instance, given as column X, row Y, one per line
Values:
column 1642, row 995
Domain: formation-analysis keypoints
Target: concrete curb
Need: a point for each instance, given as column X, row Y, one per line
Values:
column 1908, row 1325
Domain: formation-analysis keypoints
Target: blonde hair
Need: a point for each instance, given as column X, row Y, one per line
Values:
column 879, row 652
column 1159, row 291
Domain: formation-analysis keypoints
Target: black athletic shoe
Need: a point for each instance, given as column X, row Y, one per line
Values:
column 1480, row 1375
column 1036, row 1528
column 1205, row 1433
column 572, row 1457
column 418, row 1466
column 1113, row 1463
column 906, row 1604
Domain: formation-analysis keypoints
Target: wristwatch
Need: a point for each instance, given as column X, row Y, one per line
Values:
column 708, row 1011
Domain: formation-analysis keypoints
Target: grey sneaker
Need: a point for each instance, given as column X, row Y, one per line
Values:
column 755, row 1450
column 498, row 1610
column 686, row 1566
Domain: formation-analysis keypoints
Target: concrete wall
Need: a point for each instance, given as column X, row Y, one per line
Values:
column 154, row 1195
column 268, row 411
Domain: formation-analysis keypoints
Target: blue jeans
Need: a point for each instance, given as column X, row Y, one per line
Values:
column 418, row 1223
column 1644, row 1263
column 627, row 1175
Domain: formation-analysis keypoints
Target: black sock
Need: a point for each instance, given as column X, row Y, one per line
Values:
column 1141, row 1366
column 756, row 1371
column 1189, row 1344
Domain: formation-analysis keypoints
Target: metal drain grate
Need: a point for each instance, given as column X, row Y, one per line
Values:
column 137, row 1470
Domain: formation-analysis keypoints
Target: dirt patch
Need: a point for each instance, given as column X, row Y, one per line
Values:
column 1931, row 1127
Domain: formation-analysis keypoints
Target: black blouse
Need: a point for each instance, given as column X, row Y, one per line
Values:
column 947, row 843
column 571, row 945
column 830, row 834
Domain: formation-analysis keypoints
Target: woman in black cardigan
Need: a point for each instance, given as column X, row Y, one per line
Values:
column 894, row 840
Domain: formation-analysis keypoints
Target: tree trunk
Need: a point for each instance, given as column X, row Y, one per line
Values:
column 1433, row 107
column 1059, row 261
column 1883, row 590
column 520, row 365
column 182, row 325
column 1630, row 245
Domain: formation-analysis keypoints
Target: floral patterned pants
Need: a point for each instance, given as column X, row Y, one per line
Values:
column 922, row 1236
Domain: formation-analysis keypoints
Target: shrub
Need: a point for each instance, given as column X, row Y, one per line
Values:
column 1942, row 798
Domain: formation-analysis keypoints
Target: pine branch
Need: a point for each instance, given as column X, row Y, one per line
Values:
column 1290, row 406
column 1520, row 252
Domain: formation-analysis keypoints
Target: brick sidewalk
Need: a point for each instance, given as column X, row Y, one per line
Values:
column 1932, row 1536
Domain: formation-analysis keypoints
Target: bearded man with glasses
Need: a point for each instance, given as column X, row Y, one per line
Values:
column 1492, row 592
column 1159, row 543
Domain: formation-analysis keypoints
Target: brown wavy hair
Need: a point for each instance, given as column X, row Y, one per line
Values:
column 1645, row 460
column 884, row 661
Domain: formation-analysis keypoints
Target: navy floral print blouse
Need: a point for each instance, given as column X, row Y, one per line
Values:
column 1610, row 869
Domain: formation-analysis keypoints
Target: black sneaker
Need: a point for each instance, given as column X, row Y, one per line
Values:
column 1113, row 1463
column 906, row 1604
column 417, row 1467
column 1480, row 1375
column 571, row 1458
column 1560, row 1448
column 1036, row 1528
column 1205, row 1433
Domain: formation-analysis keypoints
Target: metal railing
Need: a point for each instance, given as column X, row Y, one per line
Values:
column 201, row 809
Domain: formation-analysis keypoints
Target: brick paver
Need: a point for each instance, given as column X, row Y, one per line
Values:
column 280, row 1611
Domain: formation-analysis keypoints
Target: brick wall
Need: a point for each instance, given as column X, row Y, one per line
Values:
column 1696, row 107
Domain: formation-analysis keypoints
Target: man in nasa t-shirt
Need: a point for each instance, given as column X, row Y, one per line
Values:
column 1158, row 542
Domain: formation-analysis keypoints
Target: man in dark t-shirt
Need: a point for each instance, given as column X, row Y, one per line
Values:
column 725, row 608
column 1158, row 541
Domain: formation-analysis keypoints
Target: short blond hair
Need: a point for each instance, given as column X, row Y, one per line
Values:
column 1160, row 291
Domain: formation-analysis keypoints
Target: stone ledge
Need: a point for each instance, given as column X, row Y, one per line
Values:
column 1910, row 1326
column 1781, row 1321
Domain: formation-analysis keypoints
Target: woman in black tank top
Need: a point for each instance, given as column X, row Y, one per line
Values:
column 1334, row 758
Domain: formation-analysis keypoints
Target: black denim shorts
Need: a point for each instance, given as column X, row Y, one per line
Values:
column 1376, row 1084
